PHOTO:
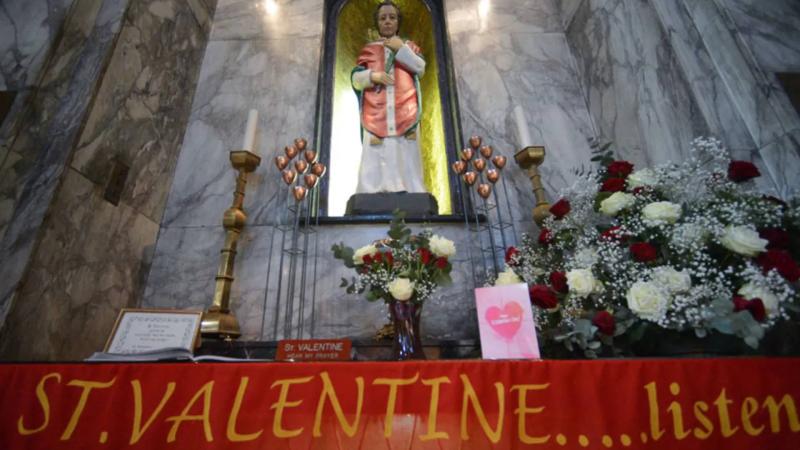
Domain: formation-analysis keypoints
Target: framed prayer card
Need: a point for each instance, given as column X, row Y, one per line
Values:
column 146, row 330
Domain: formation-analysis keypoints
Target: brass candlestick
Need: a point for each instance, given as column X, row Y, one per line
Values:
column 219, row 321
column 530, row 158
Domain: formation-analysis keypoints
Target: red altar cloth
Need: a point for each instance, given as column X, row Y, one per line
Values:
column 734, row 403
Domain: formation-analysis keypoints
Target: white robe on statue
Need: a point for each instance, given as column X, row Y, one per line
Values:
column 394, row 164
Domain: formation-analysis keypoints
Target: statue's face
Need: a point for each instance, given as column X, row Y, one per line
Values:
column 387, row 21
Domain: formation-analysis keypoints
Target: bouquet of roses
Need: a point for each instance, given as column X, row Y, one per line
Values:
column 684, row 247
column 404, row 267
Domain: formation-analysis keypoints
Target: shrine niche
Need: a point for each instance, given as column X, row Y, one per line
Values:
column 350, row 24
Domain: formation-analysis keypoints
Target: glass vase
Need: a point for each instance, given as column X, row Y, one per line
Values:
column 406, row 317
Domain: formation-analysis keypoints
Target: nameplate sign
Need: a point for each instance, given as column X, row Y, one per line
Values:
column 314, row 350
column 143, row 330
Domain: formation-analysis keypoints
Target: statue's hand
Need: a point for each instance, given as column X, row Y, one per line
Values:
column 381, row 78
column 394, row 43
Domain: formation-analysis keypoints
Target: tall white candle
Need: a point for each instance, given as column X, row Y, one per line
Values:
column 523, row 133
column 250, row 132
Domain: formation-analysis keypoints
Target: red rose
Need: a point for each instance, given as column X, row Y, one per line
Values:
column 441, row 262
column 558, row 281
column 511, row 252
column 377, row 258
column 543, row 297
column 424, row 255
column 560, row 209
column 777, row 237
column 613, row 185
column 620, row 169
column 739, row 303
column 781, row 261
column 754, row 306
column 389, row 258
column 644, row 252
column 545, row 236
column 612, row 234
column 604, row 322
column 739, row 171
column 367, row 260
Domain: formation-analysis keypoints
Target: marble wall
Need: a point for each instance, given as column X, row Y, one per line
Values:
column 505, row 55
column 636, row 91
column 40, row 151
column 771, row 29
column 657, row 73
column 91, row 257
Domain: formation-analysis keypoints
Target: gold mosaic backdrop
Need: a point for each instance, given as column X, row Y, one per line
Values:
column 356, row 28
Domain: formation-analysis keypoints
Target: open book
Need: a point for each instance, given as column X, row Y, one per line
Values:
column 164, row 354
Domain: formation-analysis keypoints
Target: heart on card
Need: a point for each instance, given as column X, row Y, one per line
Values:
column 505, row 321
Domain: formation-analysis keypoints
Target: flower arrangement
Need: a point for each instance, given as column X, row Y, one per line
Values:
column 405, row 267
column 683, row 247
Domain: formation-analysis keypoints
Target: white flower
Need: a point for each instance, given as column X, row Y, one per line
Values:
column 585, row 257
column 358, row 256
column 672, row 280
column 751, row 291
column 401, row 288
column 582, row 282
column 743, row 240
column 441, row 246
column 662, row 212
column 647, row 300
column 507, row 277
column 689, row 234
column 616, row 203
column 644, row 177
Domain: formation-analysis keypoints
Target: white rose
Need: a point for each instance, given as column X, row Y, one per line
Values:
column 401, row 289
column 672, row 280
column 586, row 257
column 441, row 246
column 751, row 291
column 616, row 203
column 358, row 256
column 743, row 240
column 507, row 277
column 582, row 282
column 647, row 300
column 662, row 212
column 644, row 177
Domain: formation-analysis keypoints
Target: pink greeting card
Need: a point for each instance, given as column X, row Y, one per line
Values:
column 505, row 321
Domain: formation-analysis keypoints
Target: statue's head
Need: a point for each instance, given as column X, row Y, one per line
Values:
column 387, row 18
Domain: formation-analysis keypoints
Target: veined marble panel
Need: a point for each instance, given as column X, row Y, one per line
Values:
column 27, row 31
column 38, row 191
column 247, row 19
column 783, row 163
column 185, row 264
column 497, row 71
column 31, row 128
column 276, row 77
column 505, row 16
column 771, row 29
column 636, row 90
column 709, row 88
column 88, row 265
column 143, row 104
column 568, row 9
column 750, row 90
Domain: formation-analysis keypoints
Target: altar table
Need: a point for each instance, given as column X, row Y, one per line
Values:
column 734, row 403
